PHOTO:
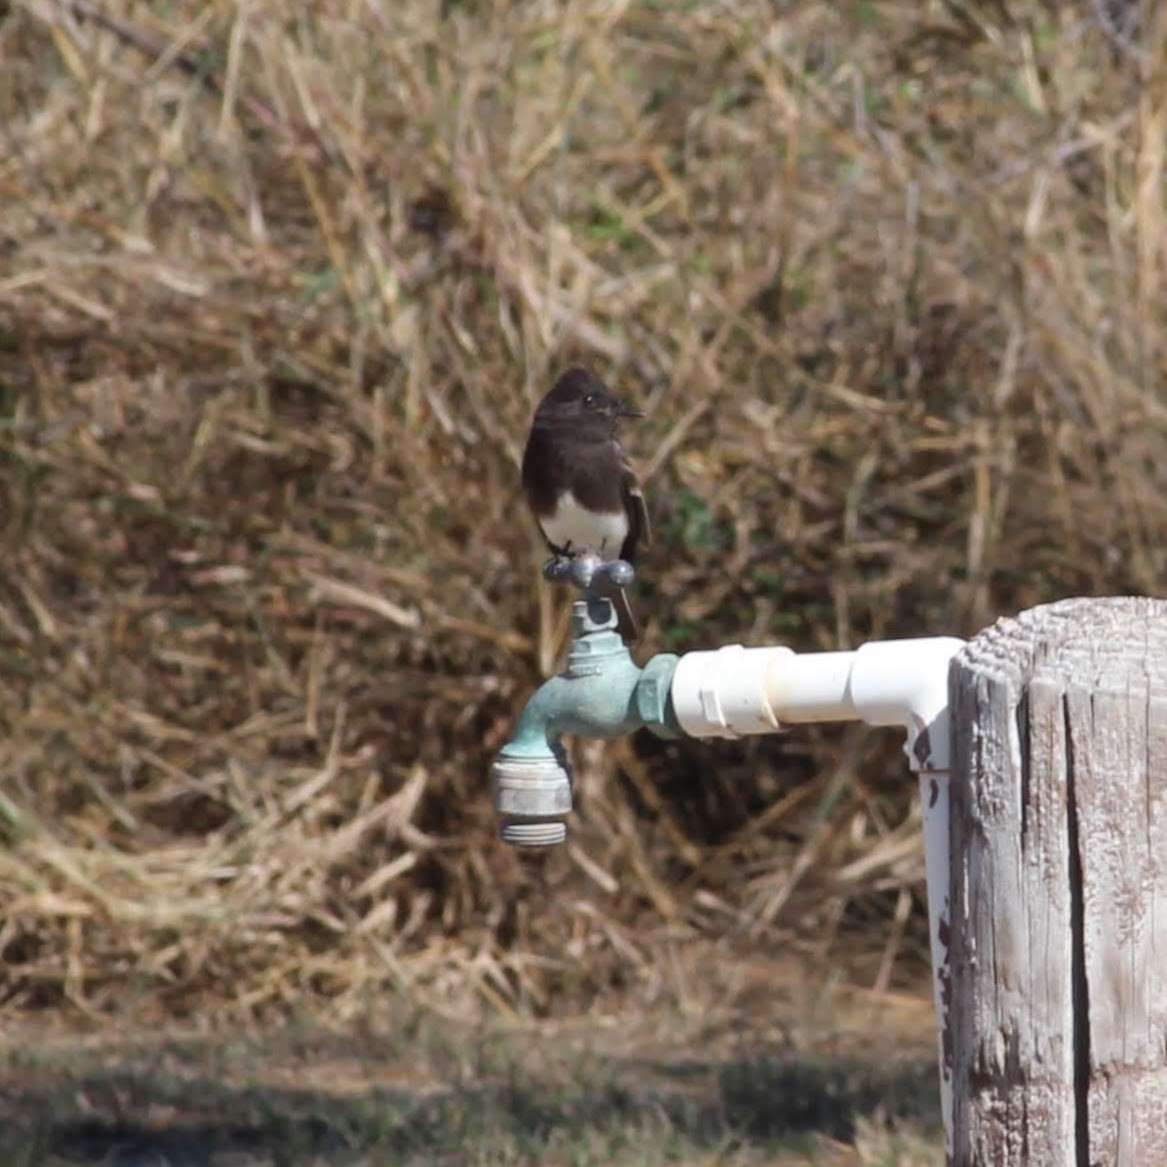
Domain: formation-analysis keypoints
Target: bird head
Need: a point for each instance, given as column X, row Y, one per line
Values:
column 580, row 399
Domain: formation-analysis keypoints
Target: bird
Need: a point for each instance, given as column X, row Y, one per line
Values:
column 578, row 481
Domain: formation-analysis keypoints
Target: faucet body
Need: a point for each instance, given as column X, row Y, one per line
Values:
column 602, row 693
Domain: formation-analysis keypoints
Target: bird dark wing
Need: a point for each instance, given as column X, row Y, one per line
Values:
column 639, row 528
column 540, row 464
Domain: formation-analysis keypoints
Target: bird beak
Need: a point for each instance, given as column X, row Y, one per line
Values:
column 623, row 409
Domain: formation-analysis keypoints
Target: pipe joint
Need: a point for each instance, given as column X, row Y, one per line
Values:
column 723, row 693
column 905, row 682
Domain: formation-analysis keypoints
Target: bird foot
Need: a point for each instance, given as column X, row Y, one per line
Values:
column 585, row 570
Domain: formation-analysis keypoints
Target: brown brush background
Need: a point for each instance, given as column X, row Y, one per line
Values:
column 279, row 288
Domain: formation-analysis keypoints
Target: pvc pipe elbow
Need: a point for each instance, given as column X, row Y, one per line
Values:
column 905, row 682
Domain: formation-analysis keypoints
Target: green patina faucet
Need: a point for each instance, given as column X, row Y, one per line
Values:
column 602, row 693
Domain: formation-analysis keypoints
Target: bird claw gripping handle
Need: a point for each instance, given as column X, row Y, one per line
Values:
column 588, row 572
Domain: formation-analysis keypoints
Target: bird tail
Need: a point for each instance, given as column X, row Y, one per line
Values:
column 625, row 621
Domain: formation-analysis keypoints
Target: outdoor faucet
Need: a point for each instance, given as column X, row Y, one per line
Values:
column 732, row 692
column 602, row 693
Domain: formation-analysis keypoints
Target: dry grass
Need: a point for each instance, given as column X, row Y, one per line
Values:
column 278, row 292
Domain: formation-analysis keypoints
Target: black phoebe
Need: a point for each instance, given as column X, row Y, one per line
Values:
column 578, row 481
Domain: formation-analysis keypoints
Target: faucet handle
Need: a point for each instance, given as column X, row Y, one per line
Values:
column 588, row 572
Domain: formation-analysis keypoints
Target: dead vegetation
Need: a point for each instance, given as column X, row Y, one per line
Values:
column 279, row 286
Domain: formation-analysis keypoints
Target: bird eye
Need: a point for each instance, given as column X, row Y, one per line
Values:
column 590, row 400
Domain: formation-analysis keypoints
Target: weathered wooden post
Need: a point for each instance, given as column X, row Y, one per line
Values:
column 1058, row 1025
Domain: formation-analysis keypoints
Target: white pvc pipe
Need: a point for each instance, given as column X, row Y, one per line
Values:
column 812, row 687
column 736, row 691
column 934, row 793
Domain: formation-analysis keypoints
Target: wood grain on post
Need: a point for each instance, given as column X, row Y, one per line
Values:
column 1059, row 888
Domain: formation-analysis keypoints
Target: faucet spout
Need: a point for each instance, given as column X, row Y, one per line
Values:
column 602, row 693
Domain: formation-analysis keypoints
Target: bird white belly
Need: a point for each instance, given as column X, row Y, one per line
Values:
column 601, row 532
